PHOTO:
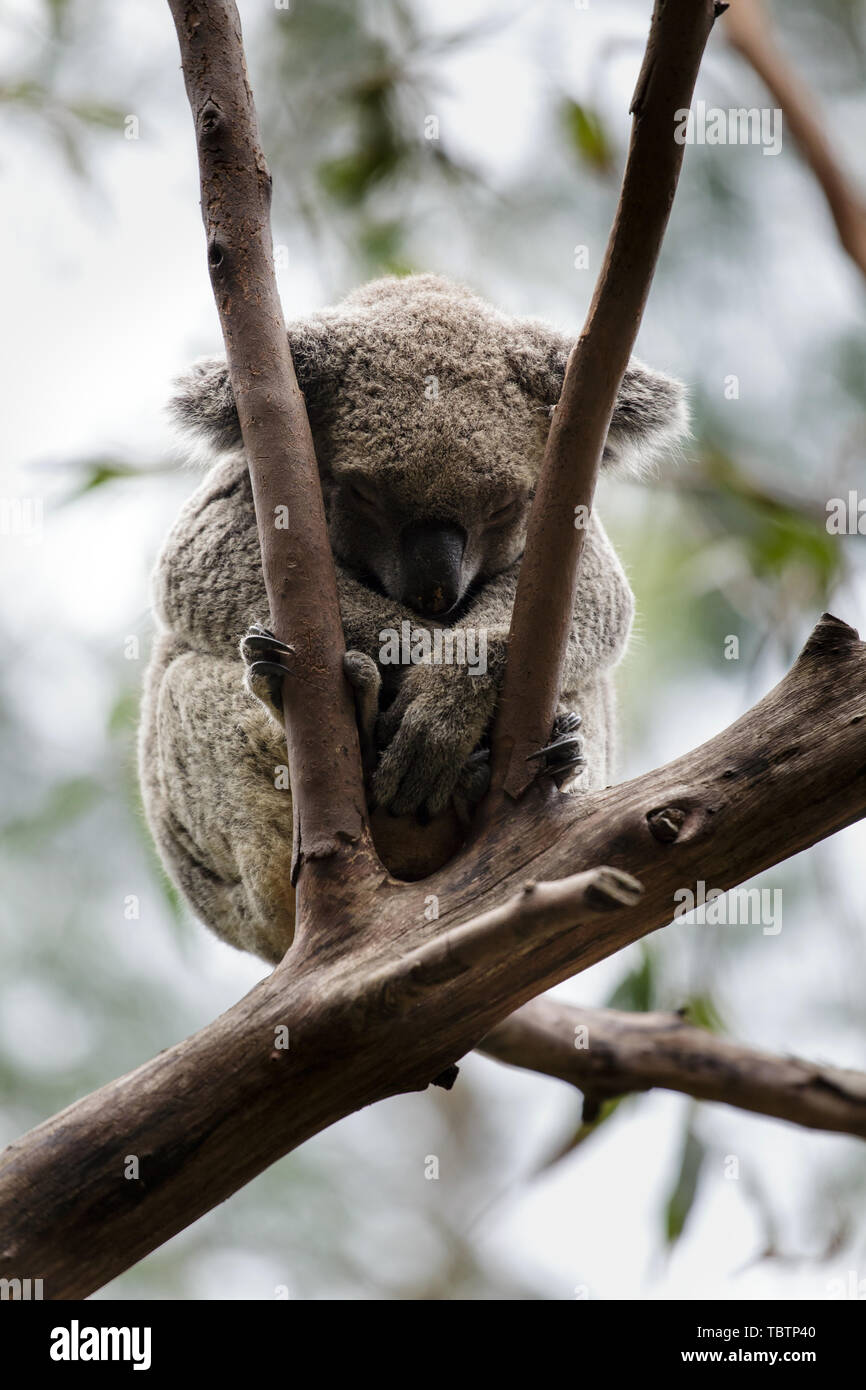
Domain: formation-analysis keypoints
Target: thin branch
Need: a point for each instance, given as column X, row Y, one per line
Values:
column 544, row 603
column 750, row 31
column 539, row 913
column 324, row 759
column 607, row 1053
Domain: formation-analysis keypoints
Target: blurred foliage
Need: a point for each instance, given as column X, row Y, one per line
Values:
column 585, row 129
column 348, row 97
column 702, row 1011
column 64, row 802
column 685, row 1190
column 635, row 992
column 64, row 120
column 38, row 91
column 93, row 473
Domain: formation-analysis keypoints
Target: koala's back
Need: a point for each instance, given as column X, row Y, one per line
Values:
column 208, row 755
column 208, row 584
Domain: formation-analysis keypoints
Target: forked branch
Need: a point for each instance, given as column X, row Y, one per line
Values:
column 402, row 998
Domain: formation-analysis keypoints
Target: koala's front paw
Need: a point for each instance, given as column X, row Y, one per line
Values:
column 263, row 673
column 564, row 752
column 430, row 732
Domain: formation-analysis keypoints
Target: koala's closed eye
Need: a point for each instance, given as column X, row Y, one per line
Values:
column 506, row 511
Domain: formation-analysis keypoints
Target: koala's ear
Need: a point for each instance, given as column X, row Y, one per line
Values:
column 650, row 412
column 537, row 356
column 203, row 405
column 650, row 416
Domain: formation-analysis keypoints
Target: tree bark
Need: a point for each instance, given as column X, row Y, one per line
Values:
column 544, row 603
column 324, row 764
column 607, row 1053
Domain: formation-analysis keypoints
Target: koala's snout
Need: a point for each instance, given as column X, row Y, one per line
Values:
column 431, row 555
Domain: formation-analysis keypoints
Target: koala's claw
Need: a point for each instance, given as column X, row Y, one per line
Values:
column 264, row 642
column 565, row 751
column 264, row 676
column 265, row 681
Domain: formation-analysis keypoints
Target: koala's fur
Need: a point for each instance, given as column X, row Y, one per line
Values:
column 418, row 389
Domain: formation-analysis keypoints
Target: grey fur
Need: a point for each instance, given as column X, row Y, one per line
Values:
column 436, row 406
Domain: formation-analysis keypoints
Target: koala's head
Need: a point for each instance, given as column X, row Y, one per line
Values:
column 430, row 411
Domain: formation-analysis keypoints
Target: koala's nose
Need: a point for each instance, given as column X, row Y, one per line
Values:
column 432, row 563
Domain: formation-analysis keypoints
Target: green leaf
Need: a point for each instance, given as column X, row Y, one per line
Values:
column 95, row 472
column 702, row 1012
column 681, row 1200
column 587, row 134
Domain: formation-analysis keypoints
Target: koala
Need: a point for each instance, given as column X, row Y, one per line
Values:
column 429, row 411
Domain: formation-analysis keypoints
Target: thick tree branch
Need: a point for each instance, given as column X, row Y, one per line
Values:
column 400, row 998
column 544, row 604
column 750, row 31
column 324, row 761
column 607, row 1053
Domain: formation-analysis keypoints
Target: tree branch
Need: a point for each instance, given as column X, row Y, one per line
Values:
column 607, row 1053
column 399, row 998
column 544, row 603
column 324, row 760
column 750, row 31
